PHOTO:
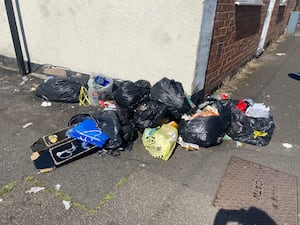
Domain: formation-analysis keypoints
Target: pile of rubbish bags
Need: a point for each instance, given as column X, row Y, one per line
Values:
column 164, row 115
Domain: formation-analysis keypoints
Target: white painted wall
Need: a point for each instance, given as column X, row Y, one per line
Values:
column 6, row 44
column 136, row 39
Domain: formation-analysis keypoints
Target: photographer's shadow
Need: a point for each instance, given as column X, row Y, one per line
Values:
column 252, row 216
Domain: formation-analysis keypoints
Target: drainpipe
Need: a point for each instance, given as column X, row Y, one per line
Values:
column 206, row 31
column 15, row 36
column 261, row 44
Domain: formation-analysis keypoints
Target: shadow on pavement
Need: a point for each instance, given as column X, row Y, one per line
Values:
column 244, row 217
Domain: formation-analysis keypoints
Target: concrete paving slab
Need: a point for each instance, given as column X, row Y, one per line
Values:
column 148, row 198
column 44, row 207
column 89, row 179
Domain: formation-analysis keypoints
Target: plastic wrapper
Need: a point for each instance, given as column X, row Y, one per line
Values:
column 258, row 110
column 88, row 131
column 171, row 93
column 60, row 89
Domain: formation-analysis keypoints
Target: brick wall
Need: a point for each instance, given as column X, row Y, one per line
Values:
column 279, row 19
column 236, row 35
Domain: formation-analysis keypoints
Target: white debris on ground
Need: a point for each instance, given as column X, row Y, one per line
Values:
column 27, row 125
column 35, row 189
column 25, row 79
column 287, row 145
column 280, row 54
column 57, row 187
column 67, row 204
column 46, row 104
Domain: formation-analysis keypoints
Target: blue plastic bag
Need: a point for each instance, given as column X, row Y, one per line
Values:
column 87, row 131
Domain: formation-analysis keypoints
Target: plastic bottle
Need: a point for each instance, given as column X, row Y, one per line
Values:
column 101, row 81
column 99, row 85
column 93, row 92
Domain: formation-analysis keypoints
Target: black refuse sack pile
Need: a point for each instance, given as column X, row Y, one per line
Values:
column 140, row 107
column 60, row 89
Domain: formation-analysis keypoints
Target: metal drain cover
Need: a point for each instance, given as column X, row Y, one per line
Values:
column 247, row 186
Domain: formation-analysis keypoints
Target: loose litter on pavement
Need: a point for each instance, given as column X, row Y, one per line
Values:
column 238, row 144
column 35, row 189
column 287, row 145
column 1, row 200
column 33, row 89
column 57, row 187
column 46, row 104
column 27, row 125
column 280, row 54
column 67, row 204
column 24, row 80
column 163, row 114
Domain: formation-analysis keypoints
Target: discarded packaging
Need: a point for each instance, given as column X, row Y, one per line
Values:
column 188, row 146
column 56, row 149
column 88, row 131
column 160, row 142
column 99, row 87
column 67, row 204
column 57, row 187
column 287, row 145
column 46, row 104
column 35, row 189
column 280, row 54
column 27, row 125
column 24, row 80
column 258, row 110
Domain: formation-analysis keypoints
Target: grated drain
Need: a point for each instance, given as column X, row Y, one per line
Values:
column 246, row 186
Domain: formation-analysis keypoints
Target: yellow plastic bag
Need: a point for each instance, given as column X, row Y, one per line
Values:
column 160, row 142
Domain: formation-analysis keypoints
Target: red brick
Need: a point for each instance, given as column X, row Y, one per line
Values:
column 234, row 43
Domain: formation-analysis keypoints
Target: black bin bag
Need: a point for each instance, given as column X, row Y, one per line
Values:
column 109, row 123
column 149, row 114
column 60, row 89
column 171, row 93
column 119, row 129
column 250, row 130
column 128, row 132
column 206, row 131
column 129, row 94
